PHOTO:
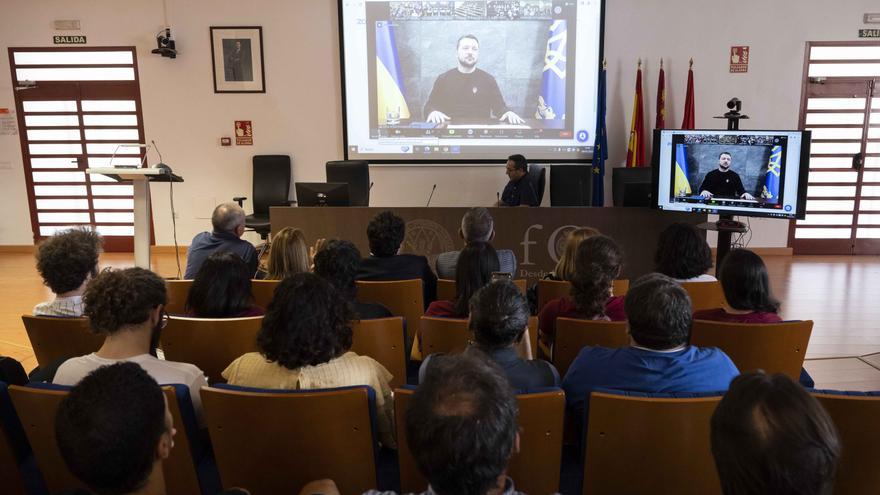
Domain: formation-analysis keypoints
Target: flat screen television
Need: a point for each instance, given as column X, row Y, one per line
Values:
column 748, row 173
column 321, row 193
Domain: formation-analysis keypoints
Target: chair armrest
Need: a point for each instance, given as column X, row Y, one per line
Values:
column 240, row 200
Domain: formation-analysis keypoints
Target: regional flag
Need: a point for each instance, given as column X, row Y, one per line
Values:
column 390, row 93
column 600, row 151
column 660, row 122
column 551, row 101
column 635, row 153
column 688, row 121
column 771, row 179
column 682, row 185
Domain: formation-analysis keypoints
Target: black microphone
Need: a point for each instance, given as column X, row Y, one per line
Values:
column 371, row 186
column 161, row 165
column 498, row 197
column 431, row 196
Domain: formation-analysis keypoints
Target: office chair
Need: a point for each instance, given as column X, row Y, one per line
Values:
column 271, row 188
column 355, row 173
column 571, row 185
column 538, row 176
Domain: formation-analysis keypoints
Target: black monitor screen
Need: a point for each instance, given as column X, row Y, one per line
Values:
column 321, row 194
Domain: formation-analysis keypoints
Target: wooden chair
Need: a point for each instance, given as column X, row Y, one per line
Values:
column 177, row 290
column 209, row 343
column 263, row 290
column 383, row 340
column 666, row 441
column 453, row 335
column 536, row 467
column 705, row 295
column 573, row 334
column 446, row 288
column 772, row 347
column 14, row 448
column 856, row 419
column 54, row 338
column 401, row 297
column 275, row 442
column 549, row 290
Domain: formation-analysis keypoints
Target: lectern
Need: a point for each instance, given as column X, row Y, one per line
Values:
column 140, row 178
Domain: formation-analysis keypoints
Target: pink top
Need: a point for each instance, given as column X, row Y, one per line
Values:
column 719, row 314
column 565, row 307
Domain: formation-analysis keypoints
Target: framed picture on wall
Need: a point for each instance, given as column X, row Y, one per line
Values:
column 237, row 56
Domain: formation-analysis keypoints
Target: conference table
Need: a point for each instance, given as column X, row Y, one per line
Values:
column 535, row 235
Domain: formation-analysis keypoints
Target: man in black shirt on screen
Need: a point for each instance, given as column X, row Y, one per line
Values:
column 466, row 92
column 723, row 182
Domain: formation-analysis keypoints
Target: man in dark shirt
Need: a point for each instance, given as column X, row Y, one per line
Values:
column 519, row 191
column 467, row 92
column 337, row 262
column 723, row 182
column 228, row 223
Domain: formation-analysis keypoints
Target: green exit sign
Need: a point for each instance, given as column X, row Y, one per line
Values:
column 69, row 40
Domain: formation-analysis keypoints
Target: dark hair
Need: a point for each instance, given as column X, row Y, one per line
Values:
column 221, row 287
column 467, row 36
column 659, row 312
column 385, row 233
column 682, row 252
column 597, row 264
column 473, row 270
column 338, row 262
column 118, row 298
column 725, row 153
column 499, row 315
column 770, row 436
column 519, row 162
column 108, row 428
column 306, row 323
column 67, row 258
column 461, row 424
column 477, row 225
column 746, row 283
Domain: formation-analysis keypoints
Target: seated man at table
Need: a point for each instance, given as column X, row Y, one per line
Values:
column 386, row 232
column 520, row 191
column 228, row 223
column 67, row 261
column 477, row 225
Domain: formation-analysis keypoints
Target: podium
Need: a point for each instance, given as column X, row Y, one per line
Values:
column 141, row 178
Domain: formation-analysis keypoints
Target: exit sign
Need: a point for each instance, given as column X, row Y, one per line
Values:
column 69, row 40
column 869, row 33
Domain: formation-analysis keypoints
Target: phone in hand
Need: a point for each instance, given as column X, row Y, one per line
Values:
column 501, row 276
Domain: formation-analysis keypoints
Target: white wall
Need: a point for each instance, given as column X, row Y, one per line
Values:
column 300, row 113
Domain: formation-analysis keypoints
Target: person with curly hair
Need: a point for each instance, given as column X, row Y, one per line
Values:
column 288, row 255
column 305, row 343
column 128, row 308
column 683, row 254
column 476, row 263
column 746, row 286
column 386, row 232
column 597, row 264
column 337, row 262
column 67, row 261
column 222, row 289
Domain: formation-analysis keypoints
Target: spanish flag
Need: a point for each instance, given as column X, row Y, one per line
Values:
column 390, row 96
column 635, row 153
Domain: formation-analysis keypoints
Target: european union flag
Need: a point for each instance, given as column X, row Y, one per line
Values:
column 600, row 151
column 551, row 102
column 391, row 96
column 682, row 185
column 771, row 179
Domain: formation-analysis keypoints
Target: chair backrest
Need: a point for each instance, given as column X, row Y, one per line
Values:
column 538, row 176
column 401, row 297
column 705, row 295
column 263, row 291
column 14, row 447
column 177, row 291
column 631, row 186
column 271, row 182
column 856, row 419
column 383, row 340
column 772, row 347
column 535, row 469
column 573, row 334
column 55, row 338
column 275, row 442
column 446, row 289
column 443, row 335
column 210, row 343
column 355, row 173
column 571, row 185
column 549, row 290
column 180, row 469
column 666, row 440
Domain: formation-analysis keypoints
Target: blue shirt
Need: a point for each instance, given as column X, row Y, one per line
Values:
column 692, row 369
column 206, row 243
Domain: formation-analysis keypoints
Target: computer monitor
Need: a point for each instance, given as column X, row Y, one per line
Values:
column 321, row 194
column 571, row 185
column 631, row 186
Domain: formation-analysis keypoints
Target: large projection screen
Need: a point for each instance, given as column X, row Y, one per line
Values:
column 470, row 81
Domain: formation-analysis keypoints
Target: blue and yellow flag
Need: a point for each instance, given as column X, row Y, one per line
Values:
column 391, row 96
column 551, row 102
column 771, row 180
column 682, row 185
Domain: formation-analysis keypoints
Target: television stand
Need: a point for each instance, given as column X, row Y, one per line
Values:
column 725, row 226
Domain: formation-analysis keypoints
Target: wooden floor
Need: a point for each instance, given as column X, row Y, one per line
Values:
column 841, row 294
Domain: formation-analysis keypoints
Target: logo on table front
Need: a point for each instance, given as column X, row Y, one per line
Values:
column 428, row 238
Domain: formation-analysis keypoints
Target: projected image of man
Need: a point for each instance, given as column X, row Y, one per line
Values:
column 723, row 182
column 467, row 92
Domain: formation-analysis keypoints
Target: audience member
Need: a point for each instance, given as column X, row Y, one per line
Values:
column 597, row 264
column 658, row 359
column 683, row 254
column 337, row 262
column 386, row 232
column 476, row 264
column 771, row 437
column 67, row 261
column 477, row 225
column 565, row 267
column 222, row 289
column 305, row 343
column 288, row 255
column 228, row 223
column 747, row 291
column 128, row 307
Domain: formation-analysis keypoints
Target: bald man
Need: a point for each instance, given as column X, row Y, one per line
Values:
column 228, row 222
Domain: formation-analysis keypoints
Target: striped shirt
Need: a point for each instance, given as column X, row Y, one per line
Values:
column 447, row 261
column 62, row 306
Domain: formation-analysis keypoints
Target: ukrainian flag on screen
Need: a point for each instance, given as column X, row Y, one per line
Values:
column 682, row 186
column 771, row 180
column 551, row 103
column 391, row 97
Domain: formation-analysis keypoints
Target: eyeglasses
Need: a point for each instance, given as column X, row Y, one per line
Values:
column 163, row 320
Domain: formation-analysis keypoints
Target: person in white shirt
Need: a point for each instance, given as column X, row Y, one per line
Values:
column 67, row 261
column 128, row 307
